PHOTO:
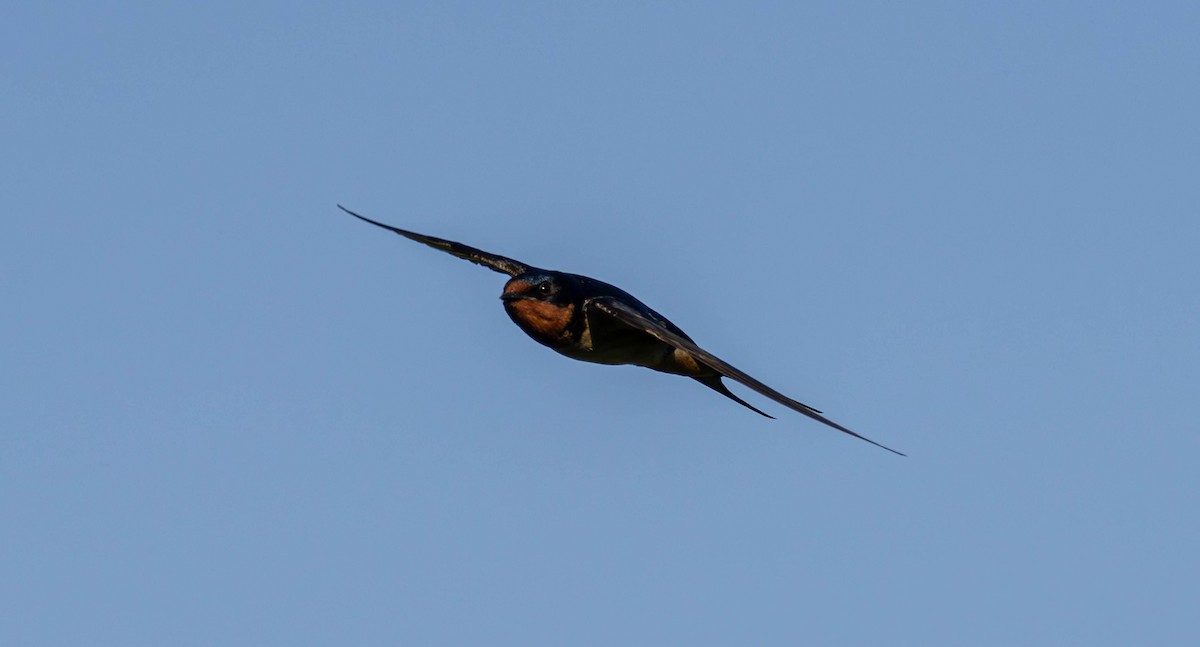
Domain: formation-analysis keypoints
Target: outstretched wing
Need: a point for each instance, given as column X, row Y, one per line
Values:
column 498, row 263
column 622, row 312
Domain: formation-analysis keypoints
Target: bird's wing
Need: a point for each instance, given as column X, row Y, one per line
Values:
column 498, row 263
column 630, row 316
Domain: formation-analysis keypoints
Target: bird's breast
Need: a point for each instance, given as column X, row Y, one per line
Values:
column 545, row 322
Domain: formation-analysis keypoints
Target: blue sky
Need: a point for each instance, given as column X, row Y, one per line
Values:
column 233, row 415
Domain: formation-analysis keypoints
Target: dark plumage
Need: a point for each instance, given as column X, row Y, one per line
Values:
column 593, row 321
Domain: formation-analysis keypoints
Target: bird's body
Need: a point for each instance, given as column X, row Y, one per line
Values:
column 562, row 322
column 592, row 321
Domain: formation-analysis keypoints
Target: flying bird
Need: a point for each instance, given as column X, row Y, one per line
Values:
column 593, row 321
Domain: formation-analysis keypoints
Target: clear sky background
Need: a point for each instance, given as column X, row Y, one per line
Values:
column 233, row 415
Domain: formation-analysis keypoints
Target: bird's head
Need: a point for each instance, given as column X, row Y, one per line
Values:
column 540, row 286
column 541, row 303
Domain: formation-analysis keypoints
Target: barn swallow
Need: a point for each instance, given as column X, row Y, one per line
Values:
column 593, row 321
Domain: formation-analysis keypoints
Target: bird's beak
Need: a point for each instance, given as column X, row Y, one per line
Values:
column 512, row 296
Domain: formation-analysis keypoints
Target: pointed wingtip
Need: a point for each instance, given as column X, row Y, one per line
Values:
column 353, row 214
column 861, row 437
column 827, row 421
column 882, row 446
column 374, row 222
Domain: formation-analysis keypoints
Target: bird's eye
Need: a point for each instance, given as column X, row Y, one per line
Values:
column 544, row 287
